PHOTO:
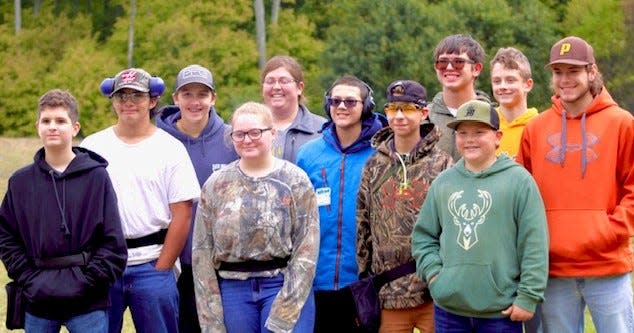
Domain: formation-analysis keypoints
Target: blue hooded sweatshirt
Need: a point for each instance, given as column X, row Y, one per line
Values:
column 208, row 152
column 337, row 170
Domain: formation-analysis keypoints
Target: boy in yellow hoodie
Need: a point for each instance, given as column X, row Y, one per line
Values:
column 511, row 82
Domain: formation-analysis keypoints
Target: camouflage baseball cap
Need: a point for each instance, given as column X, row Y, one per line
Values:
column 571, row 50
column 133, row 78
column 194, row 74
column 478, row 111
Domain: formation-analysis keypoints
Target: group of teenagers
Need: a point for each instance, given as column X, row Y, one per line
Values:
column 515, row 220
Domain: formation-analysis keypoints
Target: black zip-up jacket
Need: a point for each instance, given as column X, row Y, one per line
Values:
column 46, row 214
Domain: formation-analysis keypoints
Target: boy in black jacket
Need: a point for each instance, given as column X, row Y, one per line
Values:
column 60, row 231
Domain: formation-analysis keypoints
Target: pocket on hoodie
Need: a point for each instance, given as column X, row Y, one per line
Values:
column 469, row 287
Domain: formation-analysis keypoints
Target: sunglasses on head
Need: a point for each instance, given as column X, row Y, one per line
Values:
column 456, row 63
column 391, row 109
column 348, row 103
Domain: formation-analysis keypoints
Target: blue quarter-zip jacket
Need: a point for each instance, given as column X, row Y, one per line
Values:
column 329, row 166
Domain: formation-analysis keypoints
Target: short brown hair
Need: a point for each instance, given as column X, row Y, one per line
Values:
column 57, row 97
column 456, row 44
column 512, row 58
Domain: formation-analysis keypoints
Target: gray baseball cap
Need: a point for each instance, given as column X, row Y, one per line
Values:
column 195, row 74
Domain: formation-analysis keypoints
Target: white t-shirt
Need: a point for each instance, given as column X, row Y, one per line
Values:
column 147, row 176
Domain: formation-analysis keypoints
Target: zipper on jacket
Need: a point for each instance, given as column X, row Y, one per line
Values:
column 342, row 168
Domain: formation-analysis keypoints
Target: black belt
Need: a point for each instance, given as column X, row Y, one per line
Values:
column 80, row 259
column 151, row 239
column 254, row 265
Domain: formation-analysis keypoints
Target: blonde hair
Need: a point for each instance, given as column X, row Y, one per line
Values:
column 254, row 108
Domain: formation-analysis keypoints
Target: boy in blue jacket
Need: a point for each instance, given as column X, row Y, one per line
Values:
column 334, row 162
column 60, row 232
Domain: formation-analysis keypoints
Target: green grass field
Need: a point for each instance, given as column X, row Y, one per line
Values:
column 17, row 152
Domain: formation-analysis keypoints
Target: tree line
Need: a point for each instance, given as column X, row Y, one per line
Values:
column 75, row 44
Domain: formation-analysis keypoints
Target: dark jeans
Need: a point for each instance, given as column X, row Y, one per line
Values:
column 446, row 322
column 188, row 316
column 335, row 311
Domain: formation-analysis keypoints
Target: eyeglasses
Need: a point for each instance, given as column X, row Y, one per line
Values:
column 283, row 81
column 348, row 103
column 456, row 63
column 391, row 109
column 135, row 97
column 253, row 134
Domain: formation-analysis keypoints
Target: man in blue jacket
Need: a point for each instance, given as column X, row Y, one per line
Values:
column 193, row 120
column 334, row 163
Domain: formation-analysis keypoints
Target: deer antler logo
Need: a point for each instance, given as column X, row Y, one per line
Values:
column 468, row 219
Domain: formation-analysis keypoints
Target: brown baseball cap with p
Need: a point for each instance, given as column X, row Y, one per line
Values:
column 571, row 50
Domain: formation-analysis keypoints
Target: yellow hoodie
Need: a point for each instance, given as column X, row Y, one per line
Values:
column 513, row 132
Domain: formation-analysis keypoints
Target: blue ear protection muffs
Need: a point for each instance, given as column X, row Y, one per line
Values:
column 156, row 86
column 368, row 102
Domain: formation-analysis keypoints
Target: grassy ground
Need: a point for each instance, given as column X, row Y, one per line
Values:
column 17, row 152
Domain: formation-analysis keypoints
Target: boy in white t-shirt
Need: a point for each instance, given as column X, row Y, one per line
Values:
column 156, row 184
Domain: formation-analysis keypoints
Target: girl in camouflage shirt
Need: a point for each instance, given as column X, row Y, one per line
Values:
column 256, row 237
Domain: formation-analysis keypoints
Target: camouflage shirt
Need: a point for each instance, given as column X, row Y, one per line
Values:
column 387, row 209
column 242, row 218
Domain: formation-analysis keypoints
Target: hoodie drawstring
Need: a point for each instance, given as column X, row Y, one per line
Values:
column 564, row 145
column 404, row 184
column 61, row 205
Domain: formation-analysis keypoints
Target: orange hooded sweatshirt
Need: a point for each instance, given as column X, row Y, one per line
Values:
column 584, row 167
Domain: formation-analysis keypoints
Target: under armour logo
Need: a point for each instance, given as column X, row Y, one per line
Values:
column 554, row 155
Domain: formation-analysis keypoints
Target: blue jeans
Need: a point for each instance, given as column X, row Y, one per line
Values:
column 246, row 305
column 152, row 297
column 609, row 300
column 95, row 322
column 446, row 322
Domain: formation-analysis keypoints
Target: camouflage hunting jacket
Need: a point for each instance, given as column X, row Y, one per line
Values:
column 241, row 218
column 389, row 200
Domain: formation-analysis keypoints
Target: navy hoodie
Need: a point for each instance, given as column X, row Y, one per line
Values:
column 208, row 153
column 47, row 214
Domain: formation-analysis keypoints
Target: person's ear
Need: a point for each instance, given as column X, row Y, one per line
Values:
column 76, row 128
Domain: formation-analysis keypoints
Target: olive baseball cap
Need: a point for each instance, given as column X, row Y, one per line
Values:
column 478, row 111
column 571, row 50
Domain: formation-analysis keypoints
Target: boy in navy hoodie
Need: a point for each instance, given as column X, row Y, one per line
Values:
column 193, row 120
column 60, row 231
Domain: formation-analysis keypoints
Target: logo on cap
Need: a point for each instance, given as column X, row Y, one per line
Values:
column 565, row 48
column 128, row 77
column 470, row 111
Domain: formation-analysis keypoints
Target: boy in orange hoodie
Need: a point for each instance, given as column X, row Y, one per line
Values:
column 581, row 154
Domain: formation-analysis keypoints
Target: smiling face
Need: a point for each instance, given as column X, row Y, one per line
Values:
column 405, row 119
column 454, row 78
column 194, row 101
column 509, row 87
column 344, row 117
column 55, row 128
column 132, row 106
column 476, row 143
column 572, row 84
column 281, row 91
column 248, row 148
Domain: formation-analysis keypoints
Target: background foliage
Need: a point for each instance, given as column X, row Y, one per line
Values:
column 74, row 45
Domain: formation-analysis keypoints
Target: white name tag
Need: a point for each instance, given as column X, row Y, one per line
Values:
column 323, row 196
